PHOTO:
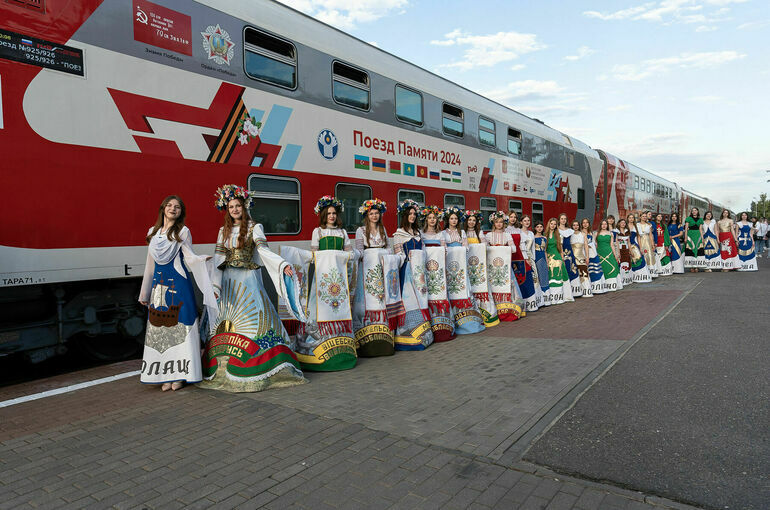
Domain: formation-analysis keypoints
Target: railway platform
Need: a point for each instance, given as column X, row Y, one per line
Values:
column 652, row 397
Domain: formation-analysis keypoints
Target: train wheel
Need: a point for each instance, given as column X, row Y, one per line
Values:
column 113, row 347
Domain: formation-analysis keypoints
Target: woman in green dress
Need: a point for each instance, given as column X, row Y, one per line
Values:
column 693, row 248
column 326, row 342
column 606, row 249
column 559, row 289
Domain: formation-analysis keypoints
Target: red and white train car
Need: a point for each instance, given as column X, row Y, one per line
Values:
column 108, row 106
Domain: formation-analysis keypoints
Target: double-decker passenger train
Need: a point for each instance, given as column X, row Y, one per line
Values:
column 108, row 106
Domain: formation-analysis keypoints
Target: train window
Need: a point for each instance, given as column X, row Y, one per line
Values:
column 569, row 159
column 352, row 196
column 276, row 203
column 636, row 182
column 487, row 132
column 417, row 196
column 537, row 213
column 514, row 141
column 350, row 86
column 453, row 120
column 267, row 58
column 487, row 206
column 451, row 200
column 515, row 205
column 641, row 184
column 649, row 186
column 408, row 105
column 581, row 198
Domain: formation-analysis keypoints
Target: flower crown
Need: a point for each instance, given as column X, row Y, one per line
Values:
column 428, row 209
column 228, row 192
column 472, row 212
column 326, row 201
column 408, row 204
column 374, row 203
column 499, row 215
column 455, row 210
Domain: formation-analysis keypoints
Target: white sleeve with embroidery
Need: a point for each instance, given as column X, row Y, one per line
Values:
column 197, row 266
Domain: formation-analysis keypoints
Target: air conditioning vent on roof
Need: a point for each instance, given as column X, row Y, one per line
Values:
column 35, row 5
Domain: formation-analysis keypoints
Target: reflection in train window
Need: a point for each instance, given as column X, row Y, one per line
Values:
column 275, row 204
column 352, row 196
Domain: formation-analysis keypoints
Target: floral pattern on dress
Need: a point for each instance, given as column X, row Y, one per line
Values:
column 455, row 277
column 476, row 272
column 498, row 272
column 374, row 283
column 435, row 280
column 418, row 276
column 331, row 289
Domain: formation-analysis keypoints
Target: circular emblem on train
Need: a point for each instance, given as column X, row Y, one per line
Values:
column 218, row 45
column 327, row 144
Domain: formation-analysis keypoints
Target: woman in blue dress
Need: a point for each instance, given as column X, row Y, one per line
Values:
column 676, row 233
column 415, row 334
column 711, row 242
column 172, row 339
column 746, row 252
column 569, row 258
column 541, row 261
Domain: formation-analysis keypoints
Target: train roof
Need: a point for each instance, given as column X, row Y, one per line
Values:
column 282, row 19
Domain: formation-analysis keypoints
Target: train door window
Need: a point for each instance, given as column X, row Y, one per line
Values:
column 270, row 59
column 453, row 120
column 487, row 206
column 641, row 183
column 581, row 198
column 537, row 212
column 275, row 204
column 408, row 105
column 487, row 132
column 514, row 141
column 636, row 182
column 649, row 186
column 451, row 200
column 350, row 86
column 515, row 205
column 352, row 196
column 417, row 196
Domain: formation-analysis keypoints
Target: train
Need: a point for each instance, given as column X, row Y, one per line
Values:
column 108, row 106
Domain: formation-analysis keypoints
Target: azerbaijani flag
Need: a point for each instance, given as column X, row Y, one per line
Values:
column 361, row 162
column 422, row 171
column 434, row 175
column 378, row 165
column 409, row 169
column 456, row 177
column 446, row 175
column 395, row 167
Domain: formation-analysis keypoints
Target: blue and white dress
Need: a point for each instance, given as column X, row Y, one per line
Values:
column 598, row 282
column 746, row 252
column 172, row 345
column 569, row 262
column 467, row 317
column 541, row 265
column 711, row 245
column 677, row 249
column 416, row 333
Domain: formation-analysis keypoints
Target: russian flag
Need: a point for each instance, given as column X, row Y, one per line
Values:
column 27, row 42
column 434, row 175
column 378, row 165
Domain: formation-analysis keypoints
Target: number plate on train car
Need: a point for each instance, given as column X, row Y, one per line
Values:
column 30, row 50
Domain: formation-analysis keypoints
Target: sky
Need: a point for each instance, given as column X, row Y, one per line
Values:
column 680, row 88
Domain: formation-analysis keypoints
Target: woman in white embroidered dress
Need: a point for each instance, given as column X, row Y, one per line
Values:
column 172, row 340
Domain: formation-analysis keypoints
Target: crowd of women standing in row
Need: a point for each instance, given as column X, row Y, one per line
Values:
column 341, row 300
